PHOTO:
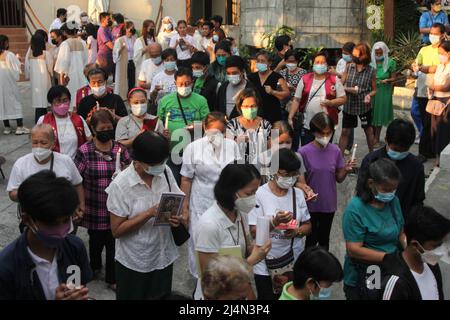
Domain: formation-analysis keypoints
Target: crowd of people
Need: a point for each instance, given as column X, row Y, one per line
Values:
column 185, row 115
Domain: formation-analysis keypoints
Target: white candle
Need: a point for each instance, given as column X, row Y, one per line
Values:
column 98, row 106
column 118, row 160
column 167, row 120
column 354, row 152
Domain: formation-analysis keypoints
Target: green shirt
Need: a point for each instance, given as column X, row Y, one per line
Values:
column 377, row 229
column 195, row 109
column 285, row 295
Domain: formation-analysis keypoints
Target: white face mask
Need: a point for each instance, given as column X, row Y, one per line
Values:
column 432, row 257
column 286, row 183
column 434, row 39
column 99, row 91
column 139, row 109
column 324, row 141
column 234, row 79
column 291, row 66
column 184, row 91
column 245, row 205
column 41, row 154
column 157, row 61
column 215, row 138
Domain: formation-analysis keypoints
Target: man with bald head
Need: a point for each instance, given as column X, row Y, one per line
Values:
column 43, row 158
column 150, row 67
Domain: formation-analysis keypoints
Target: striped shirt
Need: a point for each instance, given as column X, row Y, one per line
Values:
column 363, row 80
column 97, row 170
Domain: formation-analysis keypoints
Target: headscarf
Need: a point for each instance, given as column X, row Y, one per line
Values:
column 380, row 45
column 172, row 21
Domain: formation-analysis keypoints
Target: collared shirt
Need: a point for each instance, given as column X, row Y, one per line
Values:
column 150, row 247
column 216, row 231
column 97, row 171
column 363, row 80
column 48, row 274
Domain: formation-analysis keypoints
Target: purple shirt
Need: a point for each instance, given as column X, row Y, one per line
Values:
column 321, row 166
column 104, row 36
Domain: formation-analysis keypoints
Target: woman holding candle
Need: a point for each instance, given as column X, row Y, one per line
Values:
column 97, row 161
column 325, row 166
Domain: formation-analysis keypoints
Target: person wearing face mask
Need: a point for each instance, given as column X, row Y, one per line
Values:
column 71, row 130
column 144, row 253
column 224, row 224
column 250, row 131
column 236, row 82
column 128, row 128
column 271, row 87
column 167, row 32
column 222, row 51
column 373, row 227
column 43, row 158
column 56, row 38
column 399, row 139
column 325, row 166
column 386, row 67
column 105, row 43
column 319, row 91
column 217, row 22
column 151, row 67
column 97, row 163
column 315, row 272
column 123, row 59
column 440, row 124
column 203, row 161
column 347, row 50
column 163, row 82
column 281, row 202
column 141, row 50
column 101, row 98
column 61, row 18
column 282, row 44
column 425, row 66
column 38, row 264
column 86, row 90
column 414, row 274
column 360, row 85
column 72, row 58
column 434, row 14
column 204, row 83
column 180, row 110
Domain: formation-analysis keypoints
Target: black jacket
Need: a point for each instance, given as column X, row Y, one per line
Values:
column 398, row 283
column 209, row 91
column 18, row 277
column 411, row 190
column 221, row 104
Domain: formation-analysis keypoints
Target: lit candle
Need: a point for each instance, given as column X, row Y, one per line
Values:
column 354, row 152
column 98, row 106
column 167, row 120
column 118, row 160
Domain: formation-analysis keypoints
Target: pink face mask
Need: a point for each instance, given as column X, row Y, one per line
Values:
column 61, row 109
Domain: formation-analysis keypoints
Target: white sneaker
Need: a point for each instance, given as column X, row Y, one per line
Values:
column 7, row 131
column 22, row 130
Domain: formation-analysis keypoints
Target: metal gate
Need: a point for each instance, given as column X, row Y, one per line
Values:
column 12, row 14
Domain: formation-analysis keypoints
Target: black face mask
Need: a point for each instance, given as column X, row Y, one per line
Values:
column 151, row 32
column 105, row 136
column 356, row 60
column 54, row 42
column 110, row 23
column 133, row 31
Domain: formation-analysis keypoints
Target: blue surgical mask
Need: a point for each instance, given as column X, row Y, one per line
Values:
column 157, row 60
column 262, row 67
column 235, row 51
column 221, row 60
column 320, row 68
column 397, row 156
column 197, row 73
column 215, row 38
column 324, row 293
column 385, row 197
column 347, row 57
column 156, row 170
column 170, row 65
column 379, row 58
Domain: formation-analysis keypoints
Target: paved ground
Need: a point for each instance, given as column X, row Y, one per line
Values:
column 13, row 147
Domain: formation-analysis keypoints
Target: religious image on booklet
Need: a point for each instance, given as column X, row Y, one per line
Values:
column 170, row 205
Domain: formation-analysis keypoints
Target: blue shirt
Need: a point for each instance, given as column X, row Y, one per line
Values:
column 427, row 19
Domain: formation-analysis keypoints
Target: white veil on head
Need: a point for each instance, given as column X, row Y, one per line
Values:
column 172, row 21
column 380, row 45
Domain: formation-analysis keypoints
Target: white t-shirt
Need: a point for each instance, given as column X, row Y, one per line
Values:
column 48, row 274
column 269, row 204
column 166, row 81
column 150, row 247
column 67, row 137
column 313, row 107
column 149, row 70
column 440, row 78
column 182, row 54
column 427, row 283
column 26, row 166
